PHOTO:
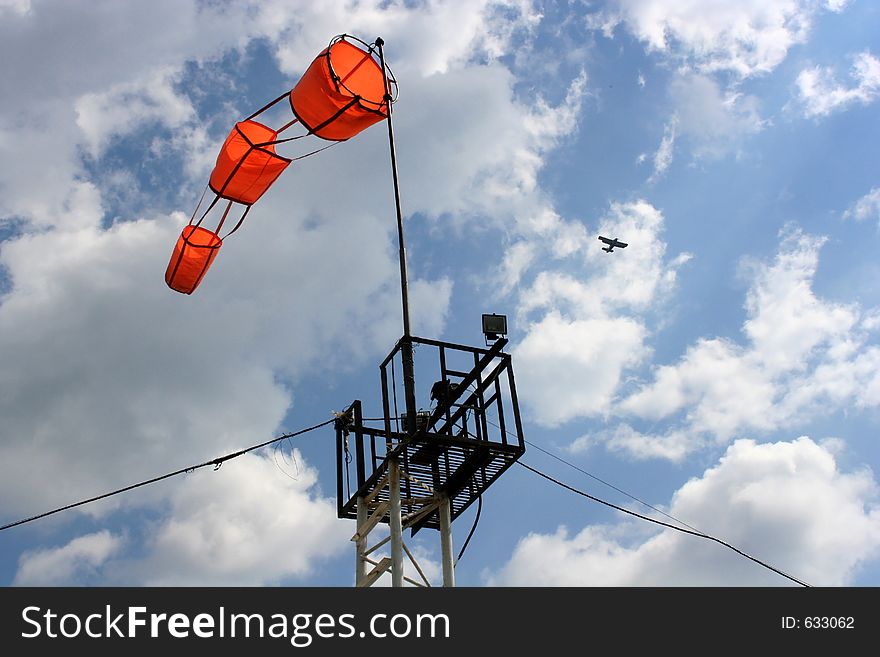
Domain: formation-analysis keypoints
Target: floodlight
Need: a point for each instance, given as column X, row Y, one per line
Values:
column 494, row 326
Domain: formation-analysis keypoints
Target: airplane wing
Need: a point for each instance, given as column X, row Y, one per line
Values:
column 621, row 245
column 606, row 240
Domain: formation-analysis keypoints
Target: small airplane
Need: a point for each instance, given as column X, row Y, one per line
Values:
column 612, row 243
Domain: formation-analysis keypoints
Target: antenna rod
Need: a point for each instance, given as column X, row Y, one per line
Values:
column 406, row 354
column 406, row 347
column 404, row 292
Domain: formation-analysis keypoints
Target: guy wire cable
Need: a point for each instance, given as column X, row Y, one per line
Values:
column 217, row 462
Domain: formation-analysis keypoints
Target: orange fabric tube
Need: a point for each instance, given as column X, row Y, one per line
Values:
column 245, row 169
column 341, row 93
column 193, row 254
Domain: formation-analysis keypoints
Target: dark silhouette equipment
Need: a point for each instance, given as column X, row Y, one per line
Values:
column 612, row 243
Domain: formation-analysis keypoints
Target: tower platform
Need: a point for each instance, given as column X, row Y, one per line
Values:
column 454, row 450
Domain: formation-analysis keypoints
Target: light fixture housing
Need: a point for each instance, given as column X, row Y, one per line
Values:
column 494, row 326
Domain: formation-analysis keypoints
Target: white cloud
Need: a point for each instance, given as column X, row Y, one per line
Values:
column 820, row 94
column 786, row 322
column 787, row 504
column 747, row 38
column 250, row 524
column 430, row 301
column 589, row 331
column 714, row 121
column 125, row 107
column 89, row 82
column 112, row 378
column 428, row 38
column 561, row 238
column 489, row 148
column 78, row 561
column 517, row 259
column 663, row 156
column 866, row 207
column 631, row 281
column 674, row 446
column 15, row 6
column 571, row 368
column 139, row 376
column 803, row 356
column 469, row 131
column 91, row 49
column 90, row 56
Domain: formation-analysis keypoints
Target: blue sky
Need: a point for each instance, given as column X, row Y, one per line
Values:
column 724, row 367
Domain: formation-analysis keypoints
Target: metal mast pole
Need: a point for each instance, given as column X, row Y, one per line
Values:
column 360, row 567
column 446, row 542
column 406, row 351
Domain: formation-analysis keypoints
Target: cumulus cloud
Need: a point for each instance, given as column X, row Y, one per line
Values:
column 252, row 525
column 866, row 207
column 715, row 122
column 801, row 356
column 15, row 6
column 663, row 156
column 140, row 375
column 587, row 327
column 746, row 38
column 517, row 259
column 470, row 131
column 436, row 36
column 125, row 107
column 788, row 504
column 632, row 282
column 59, row 95
column 500, row 186
column 674, row 446
column 820, row 94
column 572, row 367
column 109, row 377
column 78, row 561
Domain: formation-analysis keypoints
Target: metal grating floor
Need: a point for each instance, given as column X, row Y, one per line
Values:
column 461, row 468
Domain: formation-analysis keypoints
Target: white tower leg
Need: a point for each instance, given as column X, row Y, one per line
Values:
column 446, row 542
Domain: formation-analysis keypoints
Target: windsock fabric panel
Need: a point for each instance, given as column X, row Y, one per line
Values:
column 341, row 93
column 193, row 254
column 247, row 164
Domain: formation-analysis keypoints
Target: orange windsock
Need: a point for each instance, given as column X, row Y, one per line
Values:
column 341, row 93
column 344, row 91
column 193, row 254
column 247, row 163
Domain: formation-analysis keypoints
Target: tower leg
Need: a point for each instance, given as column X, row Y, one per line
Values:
column 446, row 542
column 395, row 523
column 360, row 567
